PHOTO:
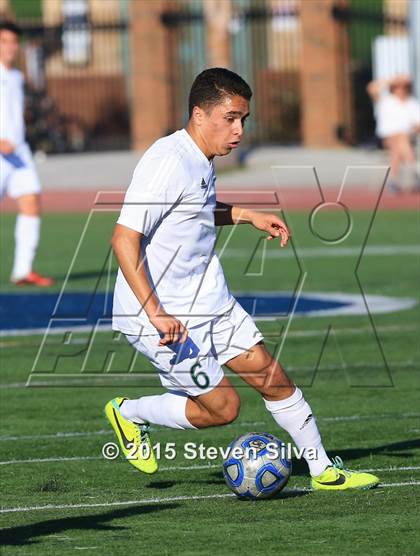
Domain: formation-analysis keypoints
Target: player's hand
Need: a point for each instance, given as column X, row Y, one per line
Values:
column 273, row 225
column 6, row 147
column 172, row 329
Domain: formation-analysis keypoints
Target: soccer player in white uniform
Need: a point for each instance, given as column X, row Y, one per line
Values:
column 172, row 302
column 18, row 176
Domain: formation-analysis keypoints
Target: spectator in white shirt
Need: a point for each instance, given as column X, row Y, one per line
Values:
column 397, row 115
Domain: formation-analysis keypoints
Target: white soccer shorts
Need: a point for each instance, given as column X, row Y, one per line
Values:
column 19, row 176
column 195, row 367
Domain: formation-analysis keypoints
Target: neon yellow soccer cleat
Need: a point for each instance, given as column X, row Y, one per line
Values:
column 134, row 438
column 336, row 477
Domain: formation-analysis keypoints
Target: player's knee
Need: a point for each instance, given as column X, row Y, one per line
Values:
column 231, row 413
column 29, row 205
column 226, row 410
column 230, row 410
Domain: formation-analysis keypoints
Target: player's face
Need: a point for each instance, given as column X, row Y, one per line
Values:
column 9, row 47
column 222, row 127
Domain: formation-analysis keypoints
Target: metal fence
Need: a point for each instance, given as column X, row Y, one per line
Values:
column 264, row 50
column 78, row 68
column 186, row 51
column 77, row 84
column 265, row 39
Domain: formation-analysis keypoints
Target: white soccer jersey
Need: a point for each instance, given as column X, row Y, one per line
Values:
column 18, row 176
column 394, row 116
column 12, row 124
column 171, row 200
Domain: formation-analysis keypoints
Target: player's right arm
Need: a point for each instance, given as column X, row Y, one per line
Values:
column 126, row 244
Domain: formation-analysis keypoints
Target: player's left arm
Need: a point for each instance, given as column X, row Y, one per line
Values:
column 227, row 214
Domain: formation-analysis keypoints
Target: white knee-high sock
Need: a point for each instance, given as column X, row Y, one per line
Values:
column 26, row 242
column 294, row 415
column 167, row 410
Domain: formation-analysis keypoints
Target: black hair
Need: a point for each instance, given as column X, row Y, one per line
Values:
column 213, row 84
column 10, row 26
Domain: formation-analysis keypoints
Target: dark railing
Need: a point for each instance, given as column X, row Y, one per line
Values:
column 258, row 54
column 77, row 85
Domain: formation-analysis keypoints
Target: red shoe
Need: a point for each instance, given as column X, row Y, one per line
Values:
column 35, row 279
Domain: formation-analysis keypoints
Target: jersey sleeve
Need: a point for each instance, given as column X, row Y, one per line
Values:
column 156, row 188
column 4, row 112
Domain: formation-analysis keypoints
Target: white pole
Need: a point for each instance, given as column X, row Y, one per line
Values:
column 414, row 38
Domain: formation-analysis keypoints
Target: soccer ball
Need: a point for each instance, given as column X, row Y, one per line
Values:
column 256, row 466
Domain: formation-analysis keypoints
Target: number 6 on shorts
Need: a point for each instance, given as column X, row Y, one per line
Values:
column 200, row 378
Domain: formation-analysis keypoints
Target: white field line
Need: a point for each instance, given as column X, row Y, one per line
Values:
column 91, row 458
column 51, row 331
column 64, row 435
column 49, row 460
column 408, row 483
column 351, row 331
column 55, row 436
column 106, row 328
column 103, row 432
column 110, row 504
column 85, row 377
column 294, row 333
column 368, row 417
column 316, row 252
column 217, row 465
column 163, row 500
column 173, row 468
column 391, row 469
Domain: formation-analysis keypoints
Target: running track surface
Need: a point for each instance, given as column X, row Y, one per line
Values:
column 296, row 198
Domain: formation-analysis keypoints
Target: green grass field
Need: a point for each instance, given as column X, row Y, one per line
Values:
column 65, row 496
